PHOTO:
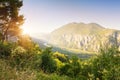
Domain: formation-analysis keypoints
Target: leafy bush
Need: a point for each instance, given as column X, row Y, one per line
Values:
column 18, row 56
column 106, row 66
column 61, row 57
column 71, row 69
column 6, row 49
column 48, row 64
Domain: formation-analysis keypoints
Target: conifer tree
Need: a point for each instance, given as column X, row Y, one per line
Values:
column 10, row 19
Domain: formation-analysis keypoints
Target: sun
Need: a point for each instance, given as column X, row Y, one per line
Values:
column 25, row 30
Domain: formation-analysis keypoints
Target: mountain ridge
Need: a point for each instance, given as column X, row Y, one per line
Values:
column 83, row 37
column 76, row 27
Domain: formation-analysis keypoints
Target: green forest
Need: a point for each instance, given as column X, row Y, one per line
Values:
column 22, row 59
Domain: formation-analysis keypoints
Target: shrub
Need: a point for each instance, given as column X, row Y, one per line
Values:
column 61, row 57
column 6, row 49
column 20, row 58
column 71, row 69
column 106, row 65
column 48, row 64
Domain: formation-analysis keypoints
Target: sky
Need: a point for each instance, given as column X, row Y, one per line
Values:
column 44, row 16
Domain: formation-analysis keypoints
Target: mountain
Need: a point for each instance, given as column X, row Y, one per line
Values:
column 81, row 37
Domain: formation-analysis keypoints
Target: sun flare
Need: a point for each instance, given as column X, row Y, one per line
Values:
column 25, row 30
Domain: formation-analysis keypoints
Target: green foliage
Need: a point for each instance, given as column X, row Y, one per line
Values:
column 6, row 49
column 43, row 76
column 106, row 65
column 71, row 69
column 61, row 57
column 48, row 64
column 19, row 57
column 64, row 69
column 41, row 63
column 26, row 58
column 75, row 66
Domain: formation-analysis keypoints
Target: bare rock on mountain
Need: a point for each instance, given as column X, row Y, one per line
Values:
column 84, row 37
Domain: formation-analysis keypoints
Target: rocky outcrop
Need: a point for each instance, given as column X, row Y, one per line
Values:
column 86, row 37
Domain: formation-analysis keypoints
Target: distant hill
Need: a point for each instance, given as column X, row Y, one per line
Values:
column 78, row 28
column 81, row 37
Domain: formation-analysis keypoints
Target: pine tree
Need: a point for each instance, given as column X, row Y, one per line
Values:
column 10, row 19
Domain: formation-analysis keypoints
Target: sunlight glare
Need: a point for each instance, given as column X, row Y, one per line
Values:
column 25, row 30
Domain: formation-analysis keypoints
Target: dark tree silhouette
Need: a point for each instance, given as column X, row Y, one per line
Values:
column 10, row 19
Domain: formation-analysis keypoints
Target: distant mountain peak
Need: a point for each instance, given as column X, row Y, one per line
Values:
column 95, row 25
column 78, row 28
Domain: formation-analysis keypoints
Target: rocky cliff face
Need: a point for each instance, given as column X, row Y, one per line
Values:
column 84, row 37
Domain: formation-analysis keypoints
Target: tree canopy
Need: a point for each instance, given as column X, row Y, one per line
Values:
column 10, row 19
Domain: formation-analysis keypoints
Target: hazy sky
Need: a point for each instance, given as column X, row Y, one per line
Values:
column 47, row 15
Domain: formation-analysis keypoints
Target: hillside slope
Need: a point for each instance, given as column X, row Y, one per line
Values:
column 83, row 37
